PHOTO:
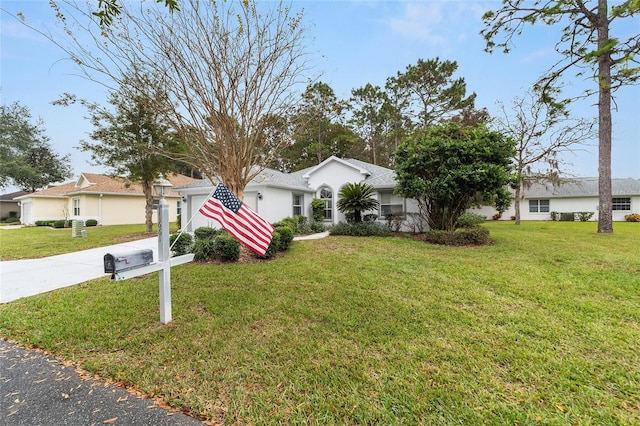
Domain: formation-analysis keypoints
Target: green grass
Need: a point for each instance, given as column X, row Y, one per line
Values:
column 543, row 327
column 41, row 241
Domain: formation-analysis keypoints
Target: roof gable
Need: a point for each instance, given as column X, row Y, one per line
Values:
column 332, row 159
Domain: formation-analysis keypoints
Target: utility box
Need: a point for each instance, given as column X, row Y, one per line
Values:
column 119, row 262
column 77, row 229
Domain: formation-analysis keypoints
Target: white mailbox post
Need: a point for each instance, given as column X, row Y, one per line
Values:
column 135, row 264
column 162, row 188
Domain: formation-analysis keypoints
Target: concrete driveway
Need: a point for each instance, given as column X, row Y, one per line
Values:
column 24, row 278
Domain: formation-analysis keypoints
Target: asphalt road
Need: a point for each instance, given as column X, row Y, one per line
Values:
column 38, row 389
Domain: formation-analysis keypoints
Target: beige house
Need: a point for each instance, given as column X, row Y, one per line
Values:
column 109, row 200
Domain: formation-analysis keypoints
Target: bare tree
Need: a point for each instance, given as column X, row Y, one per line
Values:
column 542, row 132
column 224, row 67
column 585, row 45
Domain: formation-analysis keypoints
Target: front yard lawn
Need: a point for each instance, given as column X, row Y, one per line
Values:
column 542, row 327
column 43, row 241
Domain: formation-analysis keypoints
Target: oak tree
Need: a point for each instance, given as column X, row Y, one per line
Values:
column 450, row 167
column 27, row 160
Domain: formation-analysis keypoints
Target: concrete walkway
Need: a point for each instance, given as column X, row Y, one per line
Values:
column 24, row 278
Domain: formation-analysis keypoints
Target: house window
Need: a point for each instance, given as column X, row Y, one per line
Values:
column 327, row 196
column 621, row 204
column 538, row 206
column 390, row 204
column 155, row 204
column 297, row 204
column 76, row 206
column 178, row 207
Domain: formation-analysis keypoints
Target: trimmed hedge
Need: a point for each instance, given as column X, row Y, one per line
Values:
column 226, row 248
column 462, row 237
column 207, row 232
column 215, row 245
column 362, row 229
column 286, row 237
column 274, row 247
column 91, row 222
column 44, row 222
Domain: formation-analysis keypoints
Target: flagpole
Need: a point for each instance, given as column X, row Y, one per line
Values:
column 182, row 228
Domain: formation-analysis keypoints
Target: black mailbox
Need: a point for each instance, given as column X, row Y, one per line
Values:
column 114, row 263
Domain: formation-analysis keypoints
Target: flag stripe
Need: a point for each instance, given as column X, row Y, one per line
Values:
column 259, row 247
column 241, row 230
column 237, row 230
column 246, row 219
column 246, row 226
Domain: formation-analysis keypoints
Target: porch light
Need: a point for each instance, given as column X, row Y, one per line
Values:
column 161, row 186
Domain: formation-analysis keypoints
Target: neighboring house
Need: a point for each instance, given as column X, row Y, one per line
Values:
column 109, row 200
column 574, row 195
column 9, row 206
column 275, row 195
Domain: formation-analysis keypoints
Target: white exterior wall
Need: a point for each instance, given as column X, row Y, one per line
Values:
column 276, row 204
column 191, row 218
column 334, row 175
column 561, row 205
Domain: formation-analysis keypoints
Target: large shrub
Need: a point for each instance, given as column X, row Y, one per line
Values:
column 462, row 237
column 362, row 229
column 450, row 167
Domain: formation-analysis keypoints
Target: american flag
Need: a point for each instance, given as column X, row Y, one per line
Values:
column 245, row 225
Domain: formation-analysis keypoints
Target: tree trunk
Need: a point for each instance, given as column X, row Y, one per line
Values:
column 516, row 204
column 605, row 216
column 147, row 190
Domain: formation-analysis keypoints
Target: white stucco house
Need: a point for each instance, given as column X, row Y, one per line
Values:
column 574, row 195
column 275, row 195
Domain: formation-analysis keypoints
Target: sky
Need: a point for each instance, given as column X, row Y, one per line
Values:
column 351, row 43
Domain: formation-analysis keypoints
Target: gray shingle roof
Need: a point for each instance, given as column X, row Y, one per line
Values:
column 379, row 177
column 583, row 187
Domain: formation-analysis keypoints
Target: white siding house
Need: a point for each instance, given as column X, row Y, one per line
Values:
column 574, row 195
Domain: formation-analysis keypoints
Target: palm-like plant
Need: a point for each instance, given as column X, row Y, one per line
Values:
column 355, row 198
